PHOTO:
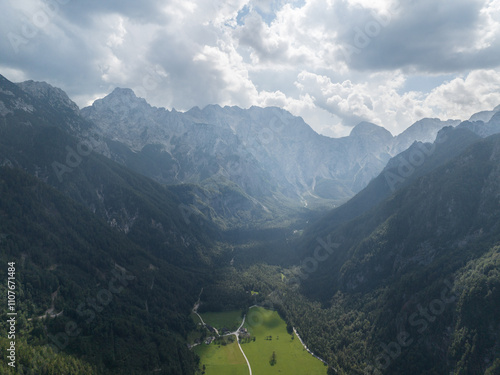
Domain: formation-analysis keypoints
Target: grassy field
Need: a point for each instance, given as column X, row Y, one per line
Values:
column 222, row 360
column 271, row 336
column 228, row 319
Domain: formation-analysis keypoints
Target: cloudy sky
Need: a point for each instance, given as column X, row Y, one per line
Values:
column 333, row 62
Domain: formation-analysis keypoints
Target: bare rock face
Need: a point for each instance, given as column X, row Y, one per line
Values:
column 265, row 151
column 51, row 95
column 12, row 98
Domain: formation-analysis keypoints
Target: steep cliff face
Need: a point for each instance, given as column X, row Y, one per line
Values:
column 265, row 151
column 264, row 157
column 53, row 96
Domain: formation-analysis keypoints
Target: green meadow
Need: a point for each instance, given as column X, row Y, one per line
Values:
column 227, row 319
column 271, row 336
column 222, row 359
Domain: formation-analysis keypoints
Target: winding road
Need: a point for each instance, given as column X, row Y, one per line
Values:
column 236, row 333
column 238, row 341
column 307, row 349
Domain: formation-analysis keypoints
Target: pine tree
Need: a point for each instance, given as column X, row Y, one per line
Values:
column 272, row 362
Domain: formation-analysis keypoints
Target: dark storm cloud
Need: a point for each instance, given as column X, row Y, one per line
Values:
column 65, row 42
column 39, row 41
column 426, row 35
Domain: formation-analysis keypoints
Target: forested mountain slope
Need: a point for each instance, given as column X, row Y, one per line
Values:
column 83, row 220
column 88, row 292
column 419, row 270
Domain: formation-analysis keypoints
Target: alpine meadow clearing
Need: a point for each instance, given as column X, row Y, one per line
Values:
column 270, row 349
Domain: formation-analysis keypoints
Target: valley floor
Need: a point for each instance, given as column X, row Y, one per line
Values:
column 266, row 348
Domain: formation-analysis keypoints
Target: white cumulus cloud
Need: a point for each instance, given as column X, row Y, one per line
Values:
column 333, row 62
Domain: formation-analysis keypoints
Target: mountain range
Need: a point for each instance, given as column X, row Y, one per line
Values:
column 267, row 152
column 235, row 200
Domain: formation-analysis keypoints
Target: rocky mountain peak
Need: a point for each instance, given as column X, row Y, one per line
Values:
column 368, row 129
column 484, row 123
column 425, row 123
column 13, row 98
column 261, row 142
column 123, row 93
column 484, row 116
column 121, row 100
column 54, row 96
column 424, row 130
column 494, row 123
